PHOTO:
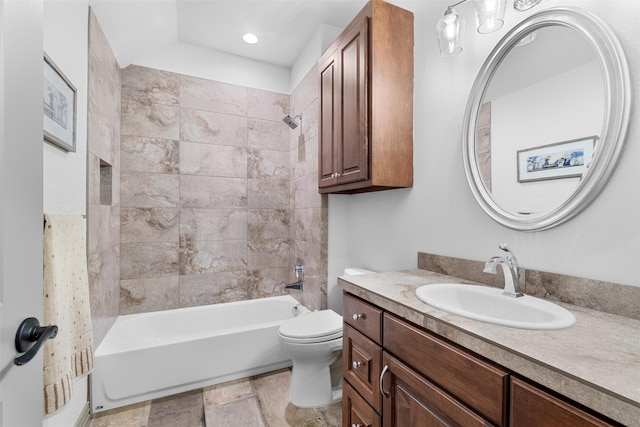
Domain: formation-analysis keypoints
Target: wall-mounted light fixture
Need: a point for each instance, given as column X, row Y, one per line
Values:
column 489, row 18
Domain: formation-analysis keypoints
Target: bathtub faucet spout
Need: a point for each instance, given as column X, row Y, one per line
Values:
column 295, row 285
column 298, row 269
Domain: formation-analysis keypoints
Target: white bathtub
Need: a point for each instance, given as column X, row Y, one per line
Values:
column 150, row 355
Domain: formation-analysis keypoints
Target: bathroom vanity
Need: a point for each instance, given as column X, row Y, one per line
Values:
column 406, row 363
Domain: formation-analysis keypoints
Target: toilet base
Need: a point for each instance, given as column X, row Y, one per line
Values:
column 311, row 386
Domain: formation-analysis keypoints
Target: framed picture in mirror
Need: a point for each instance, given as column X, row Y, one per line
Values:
column 566, row 159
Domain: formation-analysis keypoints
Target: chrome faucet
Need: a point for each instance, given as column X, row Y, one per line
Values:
column 509, row 268
column 298, row 269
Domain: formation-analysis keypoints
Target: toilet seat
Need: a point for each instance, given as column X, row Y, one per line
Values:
column 317, row 326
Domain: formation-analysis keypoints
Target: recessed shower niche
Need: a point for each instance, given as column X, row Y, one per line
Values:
column 106, row 183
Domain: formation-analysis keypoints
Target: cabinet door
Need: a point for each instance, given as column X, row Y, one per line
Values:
column 412, row 401
column 361, row 362
column 356, row 411
column 330, row 111
column 353, row 156
column 532, row 406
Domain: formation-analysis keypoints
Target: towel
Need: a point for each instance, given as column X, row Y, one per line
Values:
column 69, row 356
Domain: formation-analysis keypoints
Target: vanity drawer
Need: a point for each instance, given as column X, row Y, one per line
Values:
column 479, row 384
column 363, row 316
column 531, row 405
column 356, row 411
column 361, row 365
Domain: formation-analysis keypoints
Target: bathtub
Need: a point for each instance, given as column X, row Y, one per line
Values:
column 151, row 355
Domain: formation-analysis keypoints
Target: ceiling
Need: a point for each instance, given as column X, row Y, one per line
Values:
column 137, row 27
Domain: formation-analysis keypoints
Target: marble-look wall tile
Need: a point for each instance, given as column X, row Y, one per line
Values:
column 314, row 295
column 209, row 95
column 146, row 260
column 93, row 179
column 268, row 135
column 103, row 259
column 103, row 144
column 152, row 121
column 213, row 224
column 152, row 155
column 213, row 160
column 103, row 135
column 212, row 192
column 304, row 159
column 213, row 128
column 266, row 282
column 198, row 256
column 266, row 224
column 213, row 288
column 267, row 105
column 309, row 225
column 305, row 93
column 150, row 86
column 268, row 253
column 313, row 256
column 149, row 190
column 304, row 193
column 268, row 164
column 144, row 295
column 145, row 225
column 268, row 194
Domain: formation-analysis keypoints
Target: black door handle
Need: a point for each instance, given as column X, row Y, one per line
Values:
column 30, row 332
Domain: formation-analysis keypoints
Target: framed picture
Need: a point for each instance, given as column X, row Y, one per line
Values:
column 566, row 159
column 59, row 102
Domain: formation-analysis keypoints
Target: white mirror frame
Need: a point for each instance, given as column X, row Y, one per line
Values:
column 617, row 108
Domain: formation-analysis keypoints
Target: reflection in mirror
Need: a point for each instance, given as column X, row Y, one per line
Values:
column 544, row 94
column 546, row 119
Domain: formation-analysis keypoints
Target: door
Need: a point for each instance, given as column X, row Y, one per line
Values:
column 21, row 86
column 410, row 400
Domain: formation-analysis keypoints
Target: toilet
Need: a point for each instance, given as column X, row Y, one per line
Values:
column 313, row 341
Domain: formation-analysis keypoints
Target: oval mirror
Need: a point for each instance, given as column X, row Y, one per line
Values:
column 546, row 119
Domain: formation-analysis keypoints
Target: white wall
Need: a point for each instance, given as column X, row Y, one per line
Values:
column 66, row 43
column 439, row 214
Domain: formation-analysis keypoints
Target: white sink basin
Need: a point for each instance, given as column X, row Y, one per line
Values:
column 489, row 305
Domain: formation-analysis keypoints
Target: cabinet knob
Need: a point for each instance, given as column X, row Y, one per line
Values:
column 357, row 425
column 356, row 365
column 357, row 316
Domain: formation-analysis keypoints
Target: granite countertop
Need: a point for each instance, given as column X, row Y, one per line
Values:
column 596, row 362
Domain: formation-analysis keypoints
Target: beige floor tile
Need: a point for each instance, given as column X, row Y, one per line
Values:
column 220, row 394
column 130, row 416
column 240, row 413
column 332, row 414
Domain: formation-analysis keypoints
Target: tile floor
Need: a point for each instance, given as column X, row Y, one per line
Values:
column 260, row 401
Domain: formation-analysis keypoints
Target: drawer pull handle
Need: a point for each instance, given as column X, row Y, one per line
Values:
column 356, row 365
column 384, row 371
column 357, row 316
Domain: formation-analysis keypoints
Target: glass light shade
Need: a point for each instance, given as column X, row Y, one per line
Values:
column 250, row 38
column 448, row 29
column 523, row 5
column 489, row 15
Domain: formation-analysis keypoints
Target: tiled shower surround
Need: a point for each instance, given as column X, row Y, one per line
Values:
column 214, row 204
column 212, row 198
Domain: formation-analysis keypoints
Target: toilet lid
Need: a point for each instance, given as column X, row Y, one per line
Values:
column 313, row 325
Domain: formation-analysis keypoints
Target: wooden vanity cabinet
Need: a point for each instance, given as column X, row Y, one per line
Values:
column 428, row 381
column 366, row 103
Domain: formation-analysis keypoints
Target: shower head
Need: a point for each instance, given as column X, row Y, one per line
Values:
column 291, row 122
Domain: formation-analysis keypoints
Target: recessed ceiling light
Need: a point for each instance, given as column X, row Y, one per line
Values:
column 250, row 38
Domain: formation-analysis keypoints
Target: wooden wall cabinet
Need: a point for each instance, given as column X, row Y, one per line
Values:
column 366, row 103
column 397, row 374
